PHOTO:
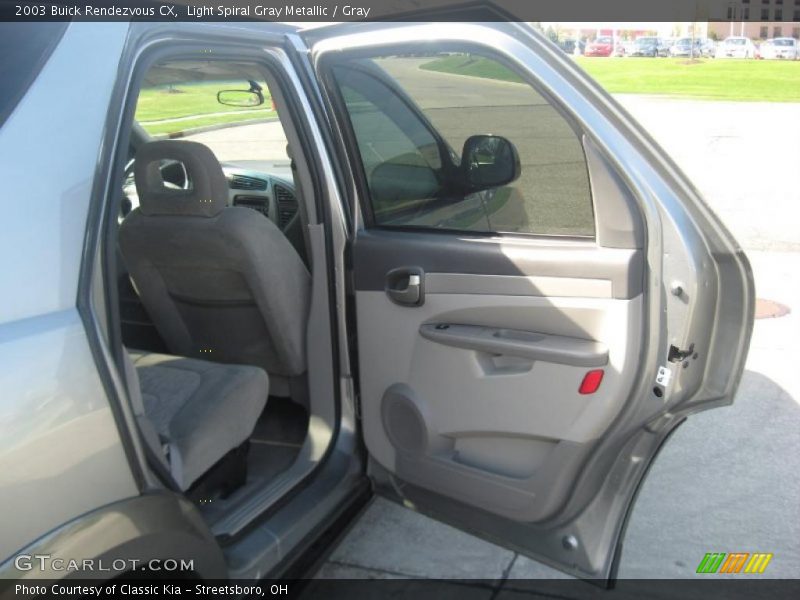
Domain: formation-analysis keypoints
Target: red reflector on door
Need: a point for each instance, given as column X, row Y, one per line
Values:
column 591, row 381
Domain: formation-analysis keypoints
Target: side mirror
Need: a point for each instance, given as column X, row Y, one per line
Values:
column 489, row 161
column 241, row 98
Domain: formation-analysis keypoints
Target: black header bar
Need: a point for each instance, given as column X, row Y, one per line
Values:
column 309, row 11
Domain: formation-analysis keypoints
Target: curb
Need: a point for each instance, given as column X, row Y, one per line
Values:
column 205, row 128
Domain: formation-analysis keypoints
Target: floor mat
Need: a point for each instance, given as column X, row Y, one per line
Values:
column 282, row 422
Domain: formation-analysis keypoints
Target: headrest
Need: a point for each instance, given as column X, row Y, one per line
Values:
column 208, row 190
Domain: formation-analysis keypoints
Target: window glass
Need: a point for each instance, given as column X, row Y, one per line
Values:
column 396, row 145
column 411, row 117
column 225, row 105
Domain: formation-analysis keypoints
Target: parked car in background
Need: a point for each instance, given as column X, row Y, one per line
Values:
column 567, row 45
column 708, row 48
column 683, row 47
column 736, row 47
column 780, row 48
column 602, row 46
column 647, row 46
column 686, row 47
column 625, row 48
column 667, row 44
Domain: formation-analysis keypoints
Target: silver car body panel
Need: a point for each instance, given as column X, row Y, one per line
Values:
column 124, row 536
column 60, row 453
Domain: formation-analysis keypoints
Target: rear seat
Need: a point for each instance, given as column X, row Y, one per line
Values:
column 199, row 411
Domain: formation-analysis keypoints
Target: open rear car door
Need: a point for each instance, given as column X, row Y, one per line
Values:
column 516, row 382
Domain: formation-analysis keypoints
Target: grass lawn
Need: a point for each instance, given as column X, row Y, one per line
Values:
column 711, row 79
column 195, row 105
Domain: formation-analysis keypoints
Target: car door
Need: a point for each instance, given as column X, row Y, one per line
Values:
column 524, row 349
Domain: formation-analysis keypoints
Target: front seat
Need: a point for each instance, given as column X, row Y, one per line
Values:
column 220, row 282
column 200, row 413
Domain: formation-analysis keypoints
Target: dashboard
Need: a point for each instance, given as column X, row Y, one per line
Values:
column 270, row 194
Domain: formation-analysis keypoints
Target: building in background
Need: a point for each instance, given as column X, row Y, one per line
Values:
column 619, row 31
column 759, row 19
column 755, row 19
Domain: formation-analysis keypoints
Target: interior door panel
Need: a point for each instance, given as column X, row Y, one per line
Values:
column 519, row 386
column 477, row 389
column 529, row 346
column 479, row 264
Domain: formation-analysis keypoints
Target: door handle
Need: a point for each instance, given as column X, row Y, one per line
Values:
column 406, row 286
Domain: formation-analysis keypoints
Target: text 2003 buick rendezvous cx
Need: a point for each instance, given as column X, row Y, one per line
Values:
column 230, row 253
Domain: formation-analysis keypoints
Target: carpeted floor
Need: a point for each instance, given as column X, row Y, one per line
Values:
column 274, row 445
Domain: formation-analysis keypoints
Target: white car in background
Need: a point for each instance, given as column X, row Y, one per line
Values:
column 625, row 48
column 736, row 47
column 783, row 48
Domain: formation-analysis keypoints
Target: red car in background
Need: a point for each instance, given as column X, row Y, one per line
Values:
column 602, row 46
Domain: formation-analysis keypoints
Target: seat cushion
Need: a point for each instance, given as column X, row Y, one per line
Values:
column 201, row 409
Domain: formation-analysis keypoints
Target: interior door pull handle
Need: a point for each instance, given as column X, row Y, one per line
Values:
column 406, row 286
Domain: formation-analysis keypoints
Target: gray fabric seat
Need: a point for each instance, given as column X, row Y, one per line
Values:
column 199, row 409
column 220, row 282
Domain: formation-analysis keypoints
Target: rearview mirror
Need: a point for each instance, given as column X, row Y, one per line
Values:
column 240, row 98
column 489, row 161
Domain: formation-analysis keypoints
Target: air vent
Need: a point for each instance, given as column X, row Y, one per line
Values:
column 287, row 205
column 242, row 182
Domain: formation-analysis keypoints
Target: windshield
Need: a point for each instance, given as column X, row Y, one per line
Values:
column 783, row 42
column 646, row 41
column 603, row 40
column 226, row 106
column 735, row 42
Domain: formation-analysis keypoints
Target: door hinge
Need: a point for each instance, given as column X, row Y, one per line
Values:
column 677, row 355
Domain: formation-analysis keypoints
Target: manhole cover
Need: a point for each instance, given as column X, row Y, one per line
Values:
column 769, row 309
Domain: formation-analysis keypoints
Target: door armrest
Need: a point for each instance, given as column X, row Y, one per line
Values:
column 514, row 342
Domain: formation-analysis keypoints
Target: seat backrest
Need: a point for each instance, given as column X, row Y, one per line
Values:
column 221, row 283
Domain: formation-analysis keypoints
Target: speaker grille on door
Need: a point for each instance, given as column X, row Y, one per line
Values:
column 402, row 421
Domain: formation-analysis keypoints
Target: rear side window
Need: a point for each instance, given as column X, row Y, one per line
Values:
column 410, row 118
column 25, row 47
